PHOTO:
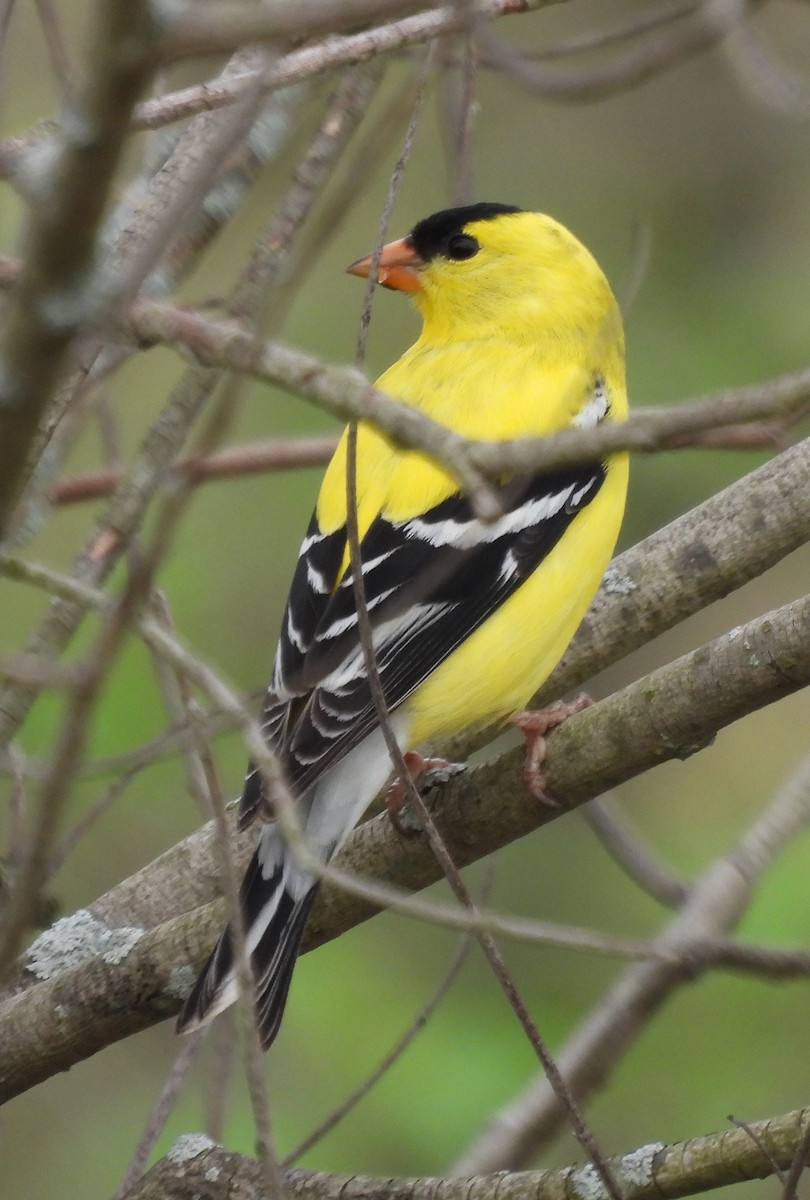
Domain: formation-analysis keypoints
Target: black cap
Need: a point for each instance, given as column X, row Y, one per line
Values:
column 429, row 237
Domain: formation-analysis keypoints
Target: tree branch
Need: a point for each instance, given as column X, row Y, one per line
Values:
column 277, row 454
column 56, row 296
column 125, row 513
column 705, row 554
column 714, row 904
column 196, row 1166
column 346, row 393
column 141, row 975
column 214, row 30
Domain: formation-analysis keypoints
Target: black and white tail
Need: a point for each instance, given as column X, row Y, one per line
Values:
column 274, row 918
column 277, row 893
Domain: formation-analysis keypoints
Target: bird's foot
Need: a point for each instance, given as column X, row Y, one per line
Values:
column 534, row 725
column 397, row 795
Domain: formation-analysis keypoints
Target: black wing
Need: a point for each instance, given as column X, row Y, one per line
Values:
column 430, row 582
column 313, row 583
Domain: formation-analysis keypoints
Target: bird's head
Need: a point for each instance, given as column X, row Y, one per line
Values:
column 493, row 268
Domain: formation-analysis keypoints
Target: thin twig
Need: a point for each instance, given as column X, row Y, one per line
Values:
column 111, row 794
column 161, row 445
column 319, row 58
column 726, row 541
column 153, row 207
column 714, row 904
column 56, row 294
column 320, row 155
column 635, row 25
column 137, row 236
column 461, row 106
column 757, row 1140
column 437, row 843
column 202, row 31
column 224, row 1041
column 797, row 1167
column 253, row 458
column 662, row 48
column 636, row 859
column 344, row 392
column 160, row 1113
column 62, row 766
column 183, row 711
column 254, row 1071
column 387, row 1061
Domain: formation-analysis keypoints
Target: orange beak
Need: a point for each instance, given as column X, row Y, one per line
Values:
column 399, row 267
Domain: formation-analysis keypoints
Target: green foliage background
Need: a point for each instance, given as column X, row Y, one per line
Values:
column 719, row 183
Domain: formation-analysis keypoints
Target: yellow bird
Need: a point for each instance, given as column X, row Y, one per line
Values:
column 521, row 336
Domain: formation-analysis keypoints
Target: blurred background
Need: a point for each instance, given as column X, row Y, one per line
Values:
column 692, row 191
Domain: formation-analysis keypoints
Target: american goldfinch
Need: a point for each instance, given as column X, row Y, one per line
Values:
column 521, row 336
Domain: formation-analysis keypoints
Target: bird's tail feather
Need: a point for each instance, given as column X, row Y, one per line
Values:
column 274, row 959
column 274, row 924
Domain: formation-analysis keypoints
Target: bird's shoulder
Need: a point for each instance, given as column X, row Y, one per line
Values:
column 492, row 389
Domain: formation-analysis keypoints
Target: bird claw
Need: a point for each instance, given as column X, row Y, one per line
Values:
column 439, row 770
column 534, row 725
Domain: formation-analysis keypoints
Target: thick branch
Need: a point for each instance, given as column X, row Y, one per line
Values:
column 726, row 541
column 196, row 1166
column 703, row 555
column 699, row 558
column 137, row 978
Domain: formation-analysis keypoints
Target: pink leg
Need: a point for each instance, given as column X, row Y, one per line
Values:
column 397, row 794
column 534, row 725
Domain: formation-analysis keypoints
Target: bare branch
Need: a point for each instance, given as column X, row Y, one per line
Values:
column 341, row 391
column 649, row 430
column 664, row 46
column 345, row 393
column 388, row 1060
column 714, row 904
column 704, row 555
column 55, row 296
column 636, row 859
column 194, row 31
column 253, row 458
column 668, row 714
column 161, row 445
column 196, row 1166
column 138, row 235
column 183, row 1063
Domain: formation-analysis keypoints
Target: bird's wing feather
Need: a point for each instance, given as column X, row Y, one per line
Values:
column 314, row 580
column 430, row 582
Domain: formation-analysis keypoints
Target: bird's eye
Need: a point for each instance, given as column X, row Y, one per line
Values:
column 460, row 246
